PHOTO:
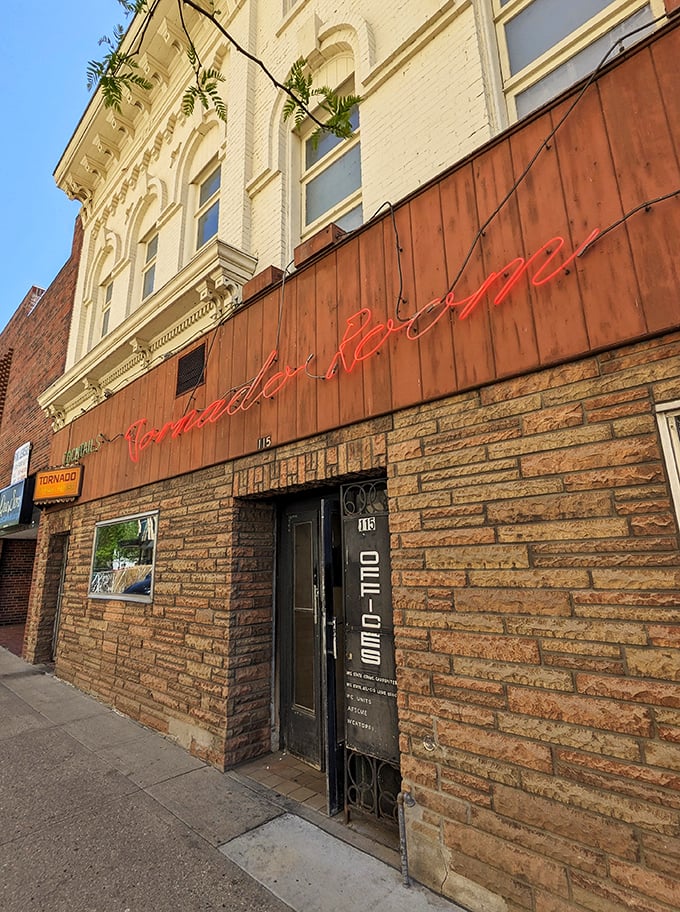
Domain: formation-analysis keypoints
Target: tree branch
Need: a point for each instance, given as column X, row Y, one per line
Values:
column 256, row 60
column 111, row 76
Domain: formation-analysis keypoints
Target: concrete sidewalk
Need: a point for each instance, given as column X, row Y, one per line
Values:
column 98, row 814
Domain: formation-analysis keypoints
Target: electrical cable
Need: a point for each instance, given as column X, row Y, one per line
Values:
column 399, row 250
column 647, row 205
column 545, row 144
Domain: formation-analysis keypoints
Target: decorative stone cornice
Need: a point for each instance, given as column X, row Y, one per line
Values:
column 203, row 292
column 142, row 349
column 103, row 133
column 57, row 415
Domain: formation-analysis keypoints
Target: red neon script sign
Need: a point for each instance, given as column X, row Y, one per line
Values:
column 361, row 340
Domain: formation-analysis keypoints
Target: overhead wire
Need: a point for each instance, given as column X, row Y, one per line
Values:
column 545, row 144
column 647, row 205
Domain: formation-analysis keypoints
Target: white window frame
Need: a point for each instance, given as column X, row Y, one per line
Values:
column 666, row 415
column 94, row 590
column 149, row 270
column 105, row 321
column 531, row 74
column 307, row 175
column 203, row 208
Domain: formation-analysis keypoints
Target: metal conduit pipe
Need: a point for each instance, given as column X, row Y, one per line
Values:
column 404, row 798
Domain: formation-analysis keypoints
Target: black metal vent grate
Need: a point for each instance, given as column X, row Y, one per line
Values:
column 191, row 371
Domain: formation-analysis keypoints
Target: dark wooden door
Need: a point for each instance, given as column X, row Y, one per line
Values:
column 311, row 652
column 301, row 628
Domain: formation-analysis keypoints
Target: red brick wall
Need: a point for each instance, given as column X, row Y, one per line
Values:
column 38, row 339
column 16, row 569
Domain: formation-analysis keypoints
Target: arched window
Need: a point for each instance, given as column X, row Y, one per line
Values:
column 208, row 205
column 330, row 167
column 198, row 187
column 97, row 309
column 149, row 269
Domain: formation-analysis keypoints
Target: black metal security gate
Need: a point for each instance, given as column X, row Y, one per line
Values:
column 372, row 775
column 336, row 645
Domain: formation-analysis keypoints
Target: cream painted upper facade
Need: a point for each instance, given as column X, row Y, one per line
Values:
column 180, row 211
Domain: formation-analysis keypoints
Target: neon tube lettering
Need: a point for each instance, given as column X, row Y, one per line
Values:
column 361, row 340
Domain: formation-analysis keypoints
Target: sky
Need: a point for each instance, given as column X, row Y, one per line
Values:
column 44, row 49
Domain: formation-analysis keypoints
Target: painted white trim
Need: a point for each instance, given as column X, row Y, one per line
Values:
column 670, row 445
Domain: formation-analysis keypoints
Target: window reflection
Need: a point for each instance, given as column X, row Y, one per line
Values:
column 123, row 558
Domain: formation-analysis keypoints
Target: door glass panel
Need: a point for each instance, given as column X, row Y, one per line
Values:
column 303, row 616
column 304, row 660
column 302, row 571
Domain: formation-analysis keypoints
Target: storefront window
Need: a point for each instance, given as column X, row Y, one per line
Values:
column 123, row 558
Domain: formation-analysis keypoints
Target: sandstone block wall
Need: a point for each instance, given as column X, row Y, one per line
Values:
column 537, row 618
column 537, row 608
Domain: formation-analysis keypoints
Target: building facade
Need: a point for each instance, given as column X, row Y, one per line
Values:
column 409, row 511
column 32, row 355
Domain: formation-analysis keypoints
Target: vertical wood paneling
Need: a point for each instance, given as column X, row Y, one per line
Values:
column 290, row 355
column 350, row 387
column 113, row 419
column 558, row 315
column 406, row 377
column 639, row 132
column 115, row 415
column 163, row 411
column 326, row 323
column 221, row 429
column 242, row 368
column 251, row 416
column 437, row 371
column 213, row 372
column 182, row 444
column 665, row 61
column 198, row 402
column 609, row 293
column 471, row 336
column 302, row 389
column 269, row 407
column 376, row 369
column 512, row 324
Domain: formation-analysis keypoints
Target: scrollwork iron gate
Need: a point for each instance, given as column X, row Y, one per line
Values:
column 372, row 775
